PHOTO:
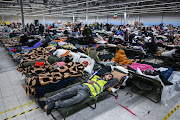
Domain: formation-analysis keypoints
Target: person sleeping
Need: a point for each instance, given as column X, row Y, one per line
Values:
column 78, row 93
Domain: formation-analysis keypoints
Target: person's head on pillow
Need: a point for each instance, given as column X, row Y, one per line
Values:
column 107, row 76
column 148, row 72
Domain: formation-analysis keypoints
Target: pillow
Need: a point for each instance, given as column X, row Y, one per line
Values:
column 169, row 53
column 59, row 52
column 109, row 63
column 121, row 69
column 90, row 66
column 111, row 45
column 85, row 59
column 156, row 78
column 139, row 72
column 102, row 42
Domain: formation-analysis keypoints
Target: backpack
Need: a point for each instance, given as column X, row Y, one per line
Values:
column 93, row 53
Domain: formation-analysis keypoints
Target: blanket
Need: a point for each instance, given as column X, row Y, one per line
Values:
column 171, row 90
column 72, row 69
column 142, row 67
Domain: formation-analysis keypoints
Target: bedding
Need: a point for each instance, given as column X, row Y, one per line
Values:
column 72, row 69
column 169, row 91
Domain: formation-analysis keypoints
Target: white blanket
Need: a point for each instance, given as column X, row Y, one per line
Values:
column 169, row 91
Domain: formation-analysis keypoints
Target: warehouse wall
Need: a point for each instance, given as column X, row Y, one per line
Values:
column 30, row 19
column 146, row 19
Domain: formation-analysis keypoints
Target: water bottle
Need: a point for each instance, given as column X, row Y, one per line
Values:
column 123, row 78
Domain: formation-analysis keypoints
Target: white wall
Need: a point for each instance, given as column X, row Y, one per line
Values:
column 147, row 19
column 30, row 19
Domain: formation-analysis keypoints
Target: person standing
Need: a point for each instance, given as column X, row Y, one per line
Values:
column 41, row 29
column 87, row 33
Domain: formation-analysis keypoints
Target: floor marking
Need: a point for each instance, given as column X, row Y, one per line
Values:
column 17, row 107
column 21, row 113
column 128, row 110
column 170, row 113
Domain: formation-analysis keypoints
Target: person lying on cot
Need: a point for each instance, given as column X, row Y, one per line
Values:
column 163, row 75
column 78, row 93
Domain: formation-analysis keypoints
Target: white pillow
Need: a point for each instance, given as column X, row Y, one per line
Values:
column 122, row 69
column 85, row 59
column 169, row 53
column 111, row 45
column 107, row 63
column 155, row 77
column 139, row 72
column 90, row 61
column 59, row 52
column 90, row 66
column 102, row 42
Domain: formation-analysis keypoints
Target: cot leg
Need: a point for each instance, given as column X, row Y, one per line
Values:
column 95, row 101
column 62, row 115
column 114, row 94
column 65, row 115
column 53, row 116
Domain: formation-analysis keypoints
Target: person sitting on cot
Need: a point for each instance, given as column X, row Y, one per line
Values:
column 78, row 93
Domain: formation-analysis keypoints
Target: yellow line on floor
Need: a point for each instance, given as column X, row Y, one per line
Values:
column 170, row 113
column 21, row 113
column 17, row 107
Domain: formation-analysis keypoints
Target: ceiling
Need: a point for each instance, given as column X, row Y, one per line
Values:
column 68, row 8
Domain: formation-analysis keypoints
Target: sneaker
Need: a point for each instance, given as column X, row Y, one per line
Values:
column 41, row 104
column 50, row 107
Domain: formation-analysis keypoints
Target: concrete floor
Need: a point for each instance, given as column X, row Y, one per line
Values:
column 12, row 94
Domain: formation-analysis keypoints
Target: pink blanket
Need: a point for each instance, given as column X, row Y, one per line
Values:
column 61, row 64
column 142, row 67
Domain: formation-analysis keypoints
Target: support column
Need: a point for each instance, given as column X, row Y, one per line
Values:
column 73, row 18
column 22, row 14
column 162, row 17
column 139, row 18
column 107, row 18
column 87, row 12
column 44, row 21
column 125, row 15
column 121, row 19
column 3, row 19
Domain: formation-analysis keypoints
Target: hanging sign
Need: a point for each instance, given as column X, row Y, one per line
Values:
column 115, row 15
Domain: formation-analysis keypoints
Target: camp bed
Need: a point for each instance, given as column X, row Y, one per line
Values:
column 65, row 111
column 143, row 85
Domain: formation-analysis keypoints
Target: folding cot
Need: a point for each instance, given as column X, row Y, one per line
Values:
column 65, row 111
column 142, row 84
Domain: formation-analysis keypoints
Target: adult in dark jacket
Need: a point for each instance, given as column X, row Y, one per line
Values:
column 87, row 33
column 41, row 29
column 32, row 28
